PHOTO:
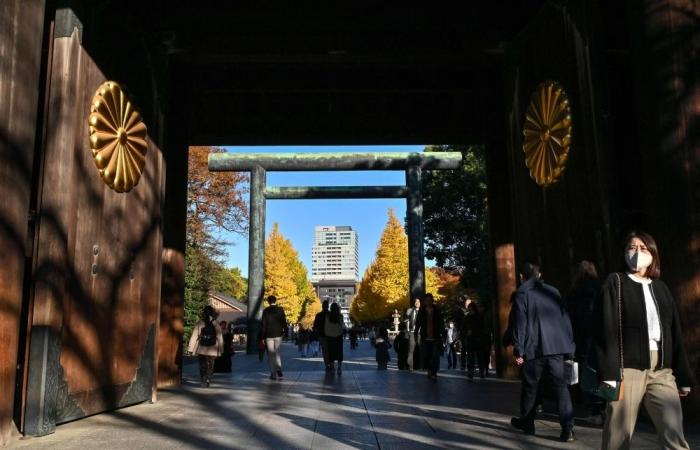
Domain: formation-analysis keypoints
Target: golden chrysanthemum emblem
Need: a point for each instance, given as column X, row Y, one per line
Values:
column 117, row 137
column 547, row 133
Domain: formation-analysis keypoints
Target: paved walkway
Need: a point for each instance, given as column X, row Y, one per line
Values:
column 362, row 409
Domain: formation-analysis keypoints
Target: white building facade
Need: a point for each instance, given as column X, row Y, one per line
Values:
column 335, row 254
column 335, row 265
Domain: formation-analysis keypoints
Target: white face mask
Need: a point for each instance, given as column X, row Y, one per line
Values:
column 637, row 261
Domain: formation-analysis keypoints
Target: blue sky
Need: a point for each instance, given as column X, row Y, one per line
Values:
column 297, row 218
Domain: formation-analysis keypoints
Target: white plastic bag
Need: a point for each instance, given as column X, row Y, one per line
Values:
column 571, row 372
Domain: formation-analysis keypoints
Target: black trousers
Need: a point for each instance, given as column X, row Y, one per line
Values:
column 532, row 372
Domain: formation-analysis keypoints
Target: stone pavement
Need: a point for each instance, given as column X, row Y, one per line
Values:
column 362, row 409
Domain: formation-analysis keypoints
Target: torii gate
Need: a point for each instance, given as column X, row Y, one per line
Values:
column 260, row 163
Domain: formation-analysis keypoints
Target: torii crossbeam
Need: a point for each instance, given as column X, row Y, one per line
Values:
column 258, row 164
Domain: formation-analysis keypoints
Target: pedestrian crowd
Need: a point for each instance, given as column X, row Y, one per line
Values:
column 620, row 338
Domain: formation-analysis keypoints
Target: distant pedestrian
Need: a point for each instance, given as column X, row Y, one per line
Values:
column 451, row 342
column 413, row 356
column 222, row 364
column 462, row 314
column 580, row 301
column 478, row 342
column 653, row 362
column 333, row 329
column 302, row 341
column 274, row 323
column 401, row 345
column 207, row 343
column 431, row 330
column 312, row 346
column 542, row 339
column 381, row 349
column 320, row 328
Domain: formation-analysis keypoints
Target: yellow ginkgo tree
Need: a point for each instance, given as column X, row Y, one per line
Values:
column 384, row 286
column 286, row 278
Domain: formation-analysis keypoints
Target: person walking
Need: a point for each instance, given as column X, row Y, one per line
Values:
column 451, row 341
column 333, row 330
column 542, row 340
column 462, row 315
column 431, row 330
column 222, row 364
column 580, row 301
column 478, row 342
column 319, row 327
column 274, row 323
column 401, row 347
column 382, row 346
column 207, row 343
column 412, row 357
column 651, row 358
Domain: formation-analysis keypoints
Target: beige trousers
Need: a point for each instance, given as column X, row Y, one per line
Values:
column 657, row 390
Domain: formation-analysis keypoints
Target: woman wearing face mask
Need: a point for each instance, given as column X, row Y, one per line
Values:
column 654, row 365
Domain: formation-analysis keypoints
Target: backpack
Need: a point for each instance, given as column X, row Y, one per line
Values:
column 207, row 335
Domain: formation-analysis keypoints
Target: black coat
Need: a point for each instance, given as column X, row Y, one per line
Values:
column 635, row 333
column 422, row 325
column 579, row 304
column 273, row 322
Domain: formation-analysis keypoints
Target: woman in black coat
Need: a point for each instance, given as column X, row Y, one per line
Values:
column 654, row 365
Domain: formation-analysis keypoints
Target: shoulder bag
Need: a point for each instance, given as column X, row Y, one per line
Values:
column 590, row 381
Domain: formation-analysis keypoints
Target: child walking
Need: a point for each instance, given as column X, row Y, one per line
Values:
column 382, row 346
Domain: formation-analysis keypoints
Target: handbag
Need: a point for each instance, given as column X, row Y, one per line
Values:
column 590, row 381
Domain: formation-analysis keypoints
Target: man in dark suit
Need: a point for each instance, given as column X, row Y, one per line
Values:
column 410, row 320
column 542, row 338
column 431, row 330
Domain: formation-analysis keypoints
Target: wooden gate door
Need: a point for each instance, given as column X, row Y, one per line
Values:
column 95, row 288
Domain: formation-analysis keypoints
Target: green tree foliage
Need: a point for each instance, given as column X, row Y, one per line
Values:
column 231, row 282
column 199, row 267
column 286, row 278
column 455, row 216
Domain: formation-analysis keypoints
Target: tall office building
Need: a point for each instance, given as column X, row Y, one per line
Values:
column 335, row 266
column 334, row 255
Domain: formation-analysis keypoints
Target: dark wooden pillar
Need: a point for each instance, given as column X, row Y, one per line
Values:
column 256, row 256
column 172, row 301
column 414, row 212
column 21, row 31
column 665, row 50
column 500, row 198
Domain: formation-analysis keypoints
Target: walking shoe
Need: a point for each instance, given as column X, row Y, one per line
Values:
column 279, row 374
column 567, row 435
column 273, row 376
column 524, row 425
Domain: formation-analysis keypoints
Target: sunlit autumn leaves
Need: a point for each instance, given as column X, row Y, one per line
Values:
column 215, row 200
column 384, row 285
column 286, row 278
